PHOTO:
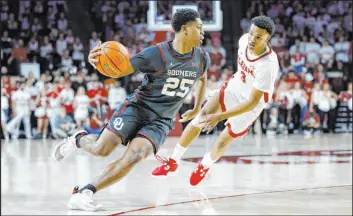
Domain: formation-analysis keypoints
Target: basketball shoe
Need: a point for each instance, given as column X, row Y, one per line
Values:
column 168, row 165
column 64, row 148
column 83, row 201
column 198, row 175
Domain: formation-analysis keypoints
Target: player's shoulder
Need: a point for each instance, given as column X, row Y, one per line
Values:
column 149, row 52
column 271, row 58
column 243, row 41
column 204, row 54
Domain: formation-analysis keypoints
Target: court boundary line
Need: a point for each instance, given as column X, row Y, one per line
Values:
column 228, row 196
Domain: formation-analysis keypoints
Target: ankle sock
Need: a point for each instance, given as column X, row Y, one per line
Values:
column 178, row 152
column 207, row 160
column 88, row 187
column 78, row 137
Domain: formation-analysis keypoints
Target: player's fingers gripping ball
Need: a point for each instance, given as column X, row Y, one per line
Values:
column 113, row 60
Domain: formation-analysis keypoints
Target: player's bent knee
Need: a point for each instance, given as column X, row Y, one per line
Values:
column 139, row 149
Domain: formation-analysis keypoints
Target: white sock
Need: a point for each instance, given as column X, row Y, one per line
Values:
column 178, row 152
column 207, row 161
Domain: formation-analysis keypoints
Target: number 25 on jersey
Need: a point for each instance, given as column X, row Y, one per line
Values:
column 172, row 84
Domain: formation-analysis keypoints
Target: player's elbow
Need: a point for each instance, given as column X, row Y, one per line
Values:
column 252, row 103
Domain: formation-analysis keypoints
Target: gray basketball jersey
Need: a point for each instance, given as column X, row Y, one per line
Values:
column 165, row 90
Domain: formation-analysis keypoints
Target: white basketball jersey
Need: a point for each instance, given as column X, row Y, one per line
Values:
column 259, row 72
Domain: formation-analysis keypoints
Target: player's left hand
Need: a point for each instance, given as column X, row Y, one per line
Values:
column 188, row 115
column 208, row 122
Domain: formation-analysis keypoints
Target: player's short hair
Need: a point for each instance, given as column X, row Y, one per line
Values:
column 183, row 16
column 264, row 22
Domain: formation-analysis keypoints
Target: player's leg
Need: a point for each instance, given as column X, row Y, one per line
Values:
column 138, row 149
column 236, row 128
column 120, row 129
column 190, row 133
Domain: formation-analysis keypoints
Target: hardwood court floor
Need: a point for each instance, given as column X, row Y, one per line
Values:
column 258, row 175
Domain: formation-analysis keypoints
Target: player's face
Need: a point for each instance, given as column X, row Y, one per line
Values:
column 194, row 32
column 258, row 38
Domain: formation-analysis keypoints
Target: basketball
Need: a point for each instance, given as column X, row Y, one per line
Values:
column 114, row 59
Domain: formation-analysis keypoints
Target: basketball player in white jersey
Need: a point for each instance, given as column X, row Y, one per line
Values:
column 240, row 100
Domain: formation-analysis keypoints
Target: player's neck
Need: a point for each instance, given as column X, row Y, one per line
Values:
column 258, row 51
column 180, row 46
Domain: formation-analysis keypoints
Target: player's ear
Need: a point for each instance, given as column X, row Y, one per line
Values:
column 184, row 29
column 268, row 38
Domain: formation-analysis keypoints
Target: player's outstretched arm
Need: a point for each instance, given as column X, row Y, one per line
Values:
column 247, row 106
column 200, row 94
column 208, row 122
column 200, row 91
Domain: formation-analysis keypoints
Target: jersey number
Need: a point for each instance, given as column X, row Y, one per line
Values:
column 173, row 84
column 243, row 76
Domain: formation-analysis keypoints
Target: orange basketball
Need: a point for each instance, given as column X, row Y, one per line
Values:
column 114, row 59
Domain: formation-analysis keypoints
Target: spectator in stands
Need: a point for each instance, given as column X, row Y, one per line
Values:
column 94, row 124
column 69, row 37
column 301, row 101
column 64, row 124
column 5, row 105
column 327, row 54
column 67, row 96
column 342, row 49
column 19, row 53
column 274, row 124
column 217, row 56
column 41, row 112
column 54, row 104
column 77, row 54
column 298, row 46
column 116, row 95
column 66, row 61
column 326, row 102
column 313, row 51
column 46, row 50
column 298, row 61
column 99, row 97
column 311, row 123
column 62, row 22
column 33, row 48
column 81, row 106
column 20, row 112
column 61, row 44
column 80, row 81
column 93, row 41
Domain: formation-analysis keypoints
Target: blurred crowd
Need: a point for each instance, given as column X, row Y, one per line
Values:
column 313, row 42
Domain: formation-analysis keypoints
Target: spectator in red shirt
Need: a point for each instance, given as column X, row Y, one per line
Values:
column 298, row 61
column 218, row 57
column 98, row 96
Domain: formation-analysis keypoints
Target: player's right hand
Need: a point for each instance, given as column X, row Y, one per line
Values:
column 93, row 54
column 188, row 115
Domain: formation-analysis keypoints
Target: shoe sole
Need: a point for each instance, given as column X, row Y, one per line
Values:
column 170, row 174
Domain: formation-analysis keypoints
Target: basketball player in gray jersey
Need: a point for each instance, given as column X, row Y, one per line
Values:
column 145, row 119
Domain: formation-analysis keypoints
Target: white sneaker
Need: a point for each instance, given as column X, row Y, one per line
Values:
column 83, row 201
column 64, row 148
